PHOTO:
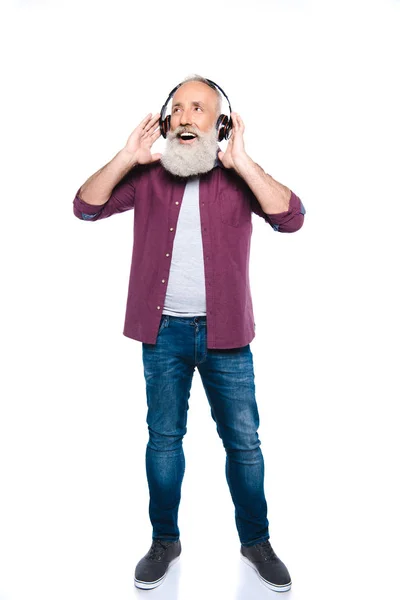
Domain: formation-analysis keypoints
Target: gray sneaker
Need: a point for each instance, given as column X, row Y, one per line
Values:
column 270, row 569
column 152, row 569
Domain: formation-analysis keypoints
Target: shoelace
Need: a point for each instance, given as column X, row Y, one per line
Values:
column 266, row 551
column 157, row 549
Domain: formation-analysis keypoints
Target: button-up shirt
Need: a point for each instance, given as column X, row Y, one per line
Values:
column 226, row 205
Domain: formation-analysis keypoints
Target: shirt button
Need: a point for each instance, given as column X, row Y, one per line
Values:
column 171, row 228
column 167, row 255
column 158, row 308
column 163, row 281
column 177, row 203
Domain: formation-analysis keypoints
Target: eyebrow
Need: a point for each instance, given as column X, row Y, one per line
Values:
column 195, row 103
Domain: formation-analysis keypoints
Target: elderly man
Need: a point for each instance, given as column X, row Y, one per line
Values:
column 189, row 303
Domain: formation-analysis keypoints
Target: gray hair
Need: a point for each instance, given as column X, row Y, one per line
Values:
column 196, row 77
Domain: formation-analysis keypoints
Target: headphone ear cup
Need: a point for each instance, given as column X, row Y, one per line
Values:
column 165, row 125
column 223, row 127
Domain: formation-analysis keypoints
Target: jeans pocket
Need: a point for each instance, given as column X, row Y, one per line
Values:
column 163, row 323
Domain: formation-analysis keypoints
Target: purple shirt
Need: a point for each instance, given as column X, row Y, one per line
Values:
column 226, row 206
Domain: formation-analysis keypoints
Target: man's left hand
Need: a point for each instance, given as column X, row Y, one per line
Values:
column 234, row 154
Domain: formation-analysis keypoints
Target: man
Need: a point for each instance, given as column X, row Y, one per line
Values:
column 189, row 303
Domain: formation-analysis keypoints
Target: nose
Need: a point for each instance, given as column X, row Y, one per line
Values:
column 186, row 117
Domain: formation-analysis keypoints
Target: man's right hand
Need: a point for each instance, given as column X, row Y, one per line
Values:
column 98, row 188
column 141, row 140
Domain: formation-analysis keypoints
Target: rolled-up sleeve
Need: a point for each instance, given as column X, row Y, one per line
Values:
column 85, row 211
column 286, row 222
column 121, row 199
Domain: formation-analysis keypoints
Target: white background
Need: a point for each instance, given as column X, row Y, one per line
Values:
column 316, row 84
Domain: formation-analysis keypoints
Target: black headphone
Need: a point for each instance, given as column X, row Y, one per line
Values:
column 223, row 125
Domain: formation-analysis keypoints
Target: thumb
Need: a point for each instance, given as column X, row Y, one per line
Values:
column 221, row 155
column 155, row 157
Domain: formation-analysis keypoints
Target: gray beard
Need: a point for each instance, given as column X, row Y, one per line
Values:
column 185, row 160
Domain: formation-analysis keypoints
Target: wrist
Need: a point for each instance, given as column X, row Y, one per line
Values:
column 243, row 164
column 128, row 158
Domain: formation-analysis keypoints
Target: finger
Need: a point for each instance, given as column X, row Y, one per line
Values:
column 155, row 119
column 145, row 120
column 156, row 134
column 240, row 122
column 153, row 122
column 152, row 133
column 153, row 127
column 148, row 121
column 239, row 128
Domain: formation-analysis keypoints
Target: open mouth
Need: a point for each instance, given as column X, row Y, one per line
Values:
column 187, row 137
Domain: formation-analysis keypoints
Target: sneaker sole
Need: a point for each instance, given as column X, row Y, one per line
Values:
column 149, row 585
column 271, row 586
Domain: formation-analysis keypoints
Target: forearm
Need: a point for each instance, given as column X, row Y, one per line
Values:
column 98, row 188
column 273, row 197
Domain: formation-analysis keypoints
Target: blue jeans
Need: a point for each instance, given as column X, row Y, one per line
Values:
column 228, row 380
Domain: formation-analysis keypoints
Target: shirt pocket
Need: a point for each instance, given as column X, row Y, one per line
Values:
column 235, row 209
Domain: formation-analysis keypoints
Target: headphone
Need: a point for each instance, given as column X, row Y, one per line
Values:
column 223, row 125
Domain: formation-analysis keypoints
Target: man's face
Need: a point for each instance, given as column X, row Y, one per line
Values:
column 194, row 104
column 192, row 140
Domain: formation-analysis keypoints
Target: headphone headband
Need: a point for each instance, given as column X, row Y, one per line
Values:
column 223, row 125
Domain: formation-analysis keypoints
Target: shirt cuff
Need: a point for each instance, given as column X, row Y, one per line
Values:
column 86, row 211
column 291, row 219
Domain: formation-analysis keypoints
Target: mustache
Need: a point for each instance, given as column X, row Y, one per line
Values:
column 186, row 129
